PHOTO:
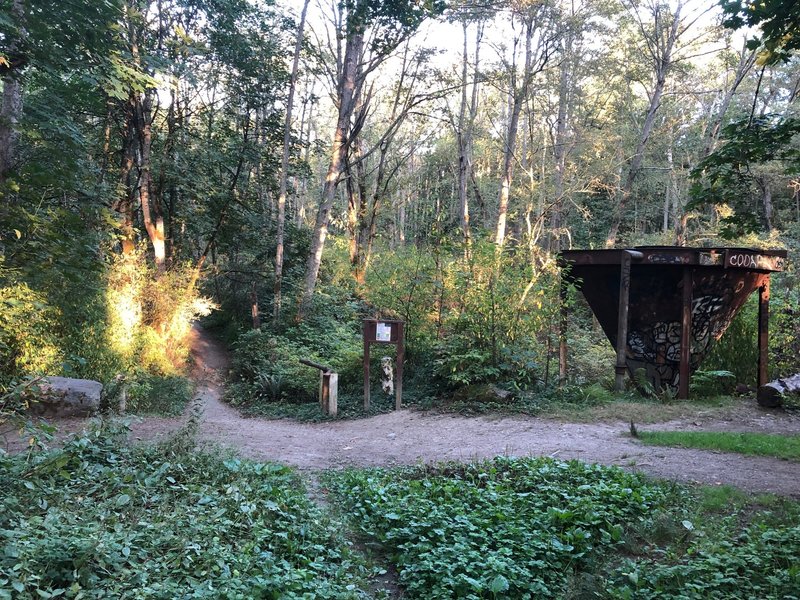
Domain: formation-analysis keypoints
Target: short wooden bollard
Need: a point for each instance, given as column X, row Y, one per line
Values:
column 328, row 387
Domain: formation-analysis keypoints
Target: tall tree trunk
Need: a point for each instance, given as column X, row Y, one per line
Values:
column 363, row 209
column 766, row 196
column 124, row 205
column 300, row 208
column 11, row 106
column 518, row 96
column 507, row 169
column 560, row 149
column 462, row 136
column 747, row 58
column 347, row 94
column 152, row 214
column 287, row 130
column 662, row 50
column 353, row 202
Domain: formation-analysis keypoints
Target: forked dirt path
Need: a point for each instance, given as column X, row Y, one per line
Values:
column 408, row 437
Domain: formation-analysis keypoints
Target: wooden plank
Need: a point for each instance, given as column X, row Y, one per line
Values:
column 763, row 333
column 366, row 374
column 622, row 321
column 398, row 388
column 686, row 334
column 333, row 394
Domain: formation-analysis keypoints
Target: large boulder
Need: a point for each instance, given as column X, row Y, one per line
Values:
column 483, row 393
column 66, row 397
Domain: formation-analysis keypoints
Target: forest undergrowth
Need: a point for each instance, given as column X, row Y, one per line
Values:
column 97, row 518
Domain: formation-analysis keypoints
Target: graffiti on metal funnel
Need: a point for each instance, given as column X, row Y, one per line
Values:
column 657, row 349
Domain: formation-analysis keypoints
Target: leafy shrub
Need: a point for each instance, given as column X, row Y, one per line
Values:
column 485, row 319
column 28, row 345
column 150, row 314
column 784, row 327
column 712, row 383
column 99, row 520
column 70, row 306
column 157, row 394
column 408, row 282
column 266, row 368
column 17, row 397
column 737, row 350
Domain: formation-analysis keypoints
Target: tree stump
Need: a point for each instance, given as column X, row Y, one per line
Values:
column 773, row 394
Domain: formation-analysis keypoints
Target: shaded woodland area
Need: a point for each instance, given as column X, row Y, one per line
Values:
column 293, row 167
column 281, row 170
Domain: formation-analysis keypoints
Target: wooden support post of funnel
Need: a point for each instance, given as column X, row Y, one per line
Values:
column 622, row 316
column 562, row 333
column 686, row 334
column 763, row 333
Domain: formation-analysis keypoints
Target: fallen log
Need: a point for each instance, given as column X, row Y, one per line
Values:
column 773, row 394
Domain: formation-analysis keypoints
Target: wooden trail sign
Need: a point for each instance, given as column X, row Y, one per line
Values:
column 385, row 331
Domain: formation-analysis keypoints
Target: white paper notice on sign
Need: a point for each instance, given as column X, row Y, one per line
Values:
column 383, row 332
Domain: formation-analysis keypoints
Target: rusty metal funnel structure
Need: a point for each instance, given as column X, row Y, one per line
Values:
column 669, row 304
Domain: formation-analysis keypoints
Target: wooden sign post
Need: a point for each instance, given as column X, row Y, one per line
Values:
column 382, row 331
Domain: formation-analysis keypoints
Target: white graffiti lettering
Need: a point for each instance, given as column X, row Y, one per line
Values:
column 747, row 261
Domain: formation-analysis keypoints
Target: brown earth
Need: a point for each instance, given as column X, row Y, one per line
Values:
column 409, row 436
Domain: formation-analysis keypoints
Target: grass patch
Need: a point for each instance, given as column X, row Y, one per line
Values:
column 587, row 404
column 641, row 410
column 786, row 447
column 97, row 519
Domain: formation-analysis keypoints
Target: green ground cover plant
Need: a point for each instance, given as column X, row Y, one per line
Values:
column 100, row 520
column 540, row 528
column 510, row 528
column 756, row 444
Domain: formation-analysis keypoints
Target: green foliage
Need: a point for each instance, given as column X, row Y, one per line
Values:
column 157, row 394
column 760, row 562
column 538, row 528
column 52, row 282
column 99, row 520
column 508, row 528
column 736, row 351
column 407, row 283
column 726, row 175
column 756, row 444
column 485, row 319
column 784, row 343
column 27, row 341
column 150, row 314
column 70, row 307
column 17, row 397
column 779, row 23
column 396, row 21
column 711, row 383
column 266, row 367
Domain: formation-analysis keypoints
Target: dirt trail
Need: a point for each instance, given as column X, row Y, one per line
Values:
column 408, row 437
